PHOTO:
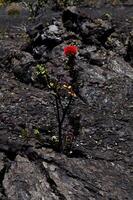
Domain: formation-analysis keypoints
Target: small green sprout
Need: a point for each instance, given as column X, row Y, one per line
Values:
column 37, row 134
column 55, row 139
column 24, row 134
column 41, row 70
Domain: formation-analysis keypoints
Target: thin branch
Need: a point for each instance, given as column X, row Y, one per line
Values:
column 57, row 109
column 66, row 110
column 59, row 98
column 59, row 124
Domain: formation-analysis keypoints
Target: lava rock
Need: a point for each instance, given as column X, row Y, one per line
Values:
column 98, row 58
column 96, row 32
column 22, row 66
column 129, row 55
column 72, row 19
column 53, row 29
column 32, row 184
column 39, row 51
column 70, row 14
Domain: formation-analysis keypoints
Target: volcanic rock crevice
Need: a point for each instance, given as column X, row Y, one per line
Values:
column 2, row 190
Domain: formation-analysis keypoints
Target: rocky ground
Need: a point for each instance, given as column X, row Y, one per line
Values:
column 101, row 164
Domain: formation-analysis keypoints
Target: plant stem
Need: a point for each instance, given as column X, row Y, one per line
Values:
column 65, row 110
column 60, row 121
column 59, row 124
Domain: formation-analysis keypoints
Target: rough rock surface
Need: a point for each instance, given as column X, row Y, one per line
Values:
column 101, row 163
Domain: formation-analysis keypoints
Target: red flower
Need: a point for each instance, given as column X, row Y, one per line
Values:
column 70, row 50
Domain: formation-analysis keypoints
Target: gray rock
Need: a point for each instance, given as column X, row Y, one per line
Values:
column 120, row 67
column 100, row 163
column 53, row 29
column 24, row 181
column 2, row 156
column 98, row 58
column 2, row 169
column 22, row 66
column 129, row 56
